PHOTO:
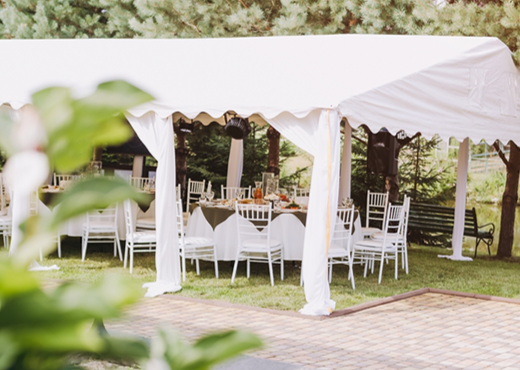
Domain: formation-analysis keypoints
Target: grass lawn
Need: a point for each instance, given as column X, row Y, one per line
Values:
column 483, row 276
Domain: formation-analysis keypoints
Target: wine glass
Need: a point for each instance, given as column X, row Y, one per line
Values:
column 202, row 200
column 210, row 195
column 240, row 194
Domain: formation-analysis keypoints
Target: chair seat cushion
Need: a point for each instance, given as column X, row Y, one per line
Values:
column 142, row 237
column 336, row 250
column 372, row 245
column 6, row 219
column 147, row 222
column 379, row 236
column 261, row 244
column 99, row 225
column 198, row 240
column 369, row 230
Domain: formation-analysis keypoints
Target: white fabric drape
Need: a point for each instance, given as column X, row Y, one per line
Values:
column 235, row 163
column 346, row 164
column 460, row 203
column 156, row 133
column 318, row 134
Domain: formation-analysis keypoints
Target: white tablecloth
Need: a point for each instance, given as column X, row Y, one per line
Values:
column 287, row 228
column 74, row 226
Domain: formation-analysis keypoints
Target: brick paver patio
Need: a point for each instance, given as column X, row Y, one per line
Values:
column 426, row 331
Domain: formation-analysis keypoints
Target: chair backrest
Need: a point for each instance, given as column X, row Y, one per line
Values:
column 59, row 178
column 377, row 204
column 3, row 200
column 252, row 219
column 343, row 228
column 33, row 203
column 179, row 218
column 393, row 222
column 107, row 215
column 301, row 192
column 129, row 217
column 194, row 191
column 406, row 216
column 142, row 182
column 228, row 192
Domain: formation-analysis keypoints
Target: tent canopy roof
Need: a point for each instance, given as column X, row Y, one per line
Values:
column 452, row 86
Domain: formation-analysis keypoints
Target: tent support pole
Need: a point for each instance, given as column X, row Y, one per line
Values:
column 460, row 203
column 346, row 164
column 137, row 168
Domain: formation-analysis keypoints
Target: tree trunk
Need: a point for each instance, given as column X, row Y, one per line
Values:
column 273, row 159
column 181, row 156
column 98, row 154
column 509, row 201
column 392, row 187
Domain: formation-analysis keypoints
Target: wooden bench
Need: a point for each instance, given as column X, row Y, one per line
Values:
column 440, row 219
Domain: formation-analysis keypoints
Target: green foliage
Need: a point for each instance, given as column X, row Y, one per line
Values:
column 209, row 154
column 425, row 180
column 361, row 180
column 43, row 19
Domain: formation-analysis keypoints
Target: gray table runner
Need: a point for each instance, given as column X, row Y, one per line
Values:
column 217, row 215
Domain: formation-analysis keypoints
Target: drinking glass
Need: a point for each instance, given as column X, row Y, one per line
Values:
column 210, row 195
column 240, row 194
column 202, row 200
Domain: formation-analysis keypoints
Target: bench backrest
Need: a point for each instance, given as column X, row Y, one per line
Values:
column 429, row 217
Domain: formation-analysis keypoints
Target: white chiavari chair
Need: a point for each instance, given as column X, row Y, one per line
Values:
column 194, row 191
column 370, row 250
column 254, row 238
column 136, row 241
column 101, row 227
column 340, row 245
column 377, row 204
column 194, row 247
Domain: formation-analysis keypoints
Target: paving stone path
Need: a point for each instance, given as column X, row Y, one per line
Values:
column 427, row 331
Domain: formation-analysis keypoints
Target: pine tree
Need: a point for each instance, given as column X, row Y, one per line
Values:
column 38, row 19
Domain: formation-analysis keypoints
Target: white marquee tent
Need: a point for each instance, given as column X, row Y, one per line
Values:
column 452, row 86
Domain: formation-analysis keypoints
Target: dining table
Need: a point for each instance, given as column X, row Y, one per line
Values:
column 220, row 223
column 74, row 226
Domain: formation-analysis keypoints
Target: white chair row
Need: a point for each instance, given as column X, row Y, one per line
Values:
column 142, row 183
column 228, row 192
column 64, row 179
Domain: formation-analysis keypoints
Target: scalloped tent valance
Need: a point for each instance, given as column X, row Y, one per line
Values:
column 451, row 86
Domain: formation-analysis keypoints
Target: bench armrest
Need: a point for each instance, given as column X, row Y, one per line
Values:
column 491, row 229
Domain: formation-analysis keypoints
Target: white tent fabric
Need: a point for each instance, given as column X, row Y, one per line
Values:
column 318, row 134
column 156, row 133
column 235, row 163
column 452, row 86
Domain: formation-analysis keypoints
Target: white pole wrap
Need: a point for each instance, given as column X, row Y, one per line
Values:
column 460, row 203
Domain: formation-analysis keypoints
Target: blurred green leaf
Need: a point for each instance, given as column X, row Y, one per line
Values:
column 207, row 352
column 75, row 127
column 93, row 193
column 14, row 281
column 126, row 348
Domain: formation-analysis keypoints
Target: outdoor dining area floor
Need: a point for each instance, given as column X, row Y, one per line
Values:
column 423, row 331
column 426, row 331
